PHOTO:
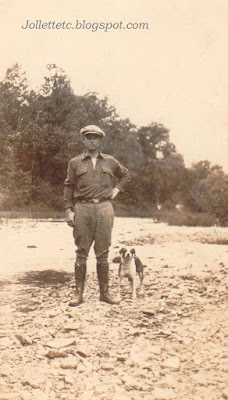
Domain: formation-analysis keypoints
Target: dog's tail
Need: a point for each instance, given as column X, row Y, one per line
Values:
column 116, row 260
column 139, row 265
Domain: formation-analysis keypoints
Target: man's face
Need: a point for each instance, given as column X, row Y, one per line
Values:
column 92, row 141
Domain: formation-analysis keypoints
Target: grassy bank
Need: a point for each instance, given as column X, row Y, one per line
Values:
column 40, row 212
column 171, row 217
column 187, row 218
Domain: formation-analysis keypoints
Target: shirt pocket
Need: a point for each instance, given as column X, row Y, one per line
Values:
column 82, row 176
column 107, row 176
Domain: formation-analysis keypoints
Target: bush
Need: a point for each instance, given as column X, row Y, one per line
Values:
column 137, row 211
column 187, row 218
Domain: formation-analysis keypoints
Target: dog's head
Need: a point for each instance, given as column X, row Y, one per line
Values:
column 127, row 253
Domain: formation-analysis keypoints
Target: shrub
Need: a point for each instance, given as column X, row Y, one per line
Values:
column 187, row 218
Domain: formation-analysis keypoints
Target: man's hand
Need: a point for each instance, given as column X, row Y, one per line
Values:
column 70, row 217
column 114, row 193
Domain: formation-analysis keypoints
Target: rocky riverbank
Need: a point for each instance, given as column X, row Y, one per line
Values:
column 170, row 344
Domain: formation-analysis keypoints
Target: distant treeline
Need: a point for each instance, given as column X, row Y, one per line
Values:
column 39, row 133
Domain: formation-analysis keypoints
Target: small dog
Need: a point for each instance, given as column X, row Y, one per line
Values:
column 129, row 266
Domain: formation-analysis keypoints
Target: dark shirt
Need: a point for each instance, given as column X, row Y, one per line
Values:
column 83, row 182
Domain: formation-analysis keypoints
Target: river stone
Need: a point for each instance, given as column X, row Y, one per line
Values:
column 60, row 343
column 70, row 363
column 55, row 354
column 121, row 396
column 72, row 327
column 10, row 396
column 25, row 340
column 83, row 352
column 168, row 382
column 172, row 362
column 162, row 394
column 225, row 394
column 107, row 366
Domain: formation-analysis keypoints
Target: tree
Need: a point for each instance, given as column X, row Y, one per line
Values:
column 13, row 106
column 201, row 169
column 155, row 143
column 162, row 168
column 209, row 190
column 39, row 133
column 171, row 180
column 216, row 195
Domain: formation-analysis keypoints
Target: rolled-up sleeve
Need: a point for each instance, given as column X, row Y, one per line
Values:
column 69, row 186
column 122, row 174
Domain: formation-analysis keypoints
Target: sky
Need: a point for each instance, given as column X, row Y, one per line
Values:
column 174, row 73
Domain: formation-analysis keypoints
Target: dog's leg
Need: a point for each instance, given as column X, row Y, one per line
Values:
column 141, row 290
column 133, row 283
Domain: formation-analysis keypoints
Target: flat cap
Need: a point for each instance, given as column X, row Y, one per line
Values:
column 92, row 129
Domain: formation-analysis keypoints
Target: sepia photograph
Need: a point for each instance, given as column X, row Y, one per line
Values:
column 113, row 200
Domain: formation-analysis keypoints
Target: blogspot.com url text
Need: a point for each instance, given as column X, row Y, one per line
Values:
column 39, row 24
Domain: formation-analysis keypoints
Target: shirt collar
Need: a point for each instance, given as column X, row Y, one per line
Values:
column 85, row 154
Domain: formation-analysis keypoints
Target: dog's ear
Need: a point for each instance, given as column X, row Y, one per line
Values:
column 123, row 251
column 133, row 252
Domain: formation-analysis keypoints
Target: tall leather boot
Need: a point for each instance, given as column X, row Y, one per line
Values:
column 102, row 273
column 80, row 274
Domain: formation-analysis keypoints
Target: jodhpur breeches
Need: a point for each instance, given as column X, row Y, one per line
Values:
column 93, row 223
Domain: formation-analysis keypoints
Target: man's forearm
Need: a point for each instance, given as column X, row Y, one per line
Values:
column 115, row 192
column 68, row 197
column 125, row 178
column 122, row 174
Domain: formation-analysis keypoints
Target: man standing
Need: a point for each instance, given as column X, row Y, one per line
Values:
column 87, row 194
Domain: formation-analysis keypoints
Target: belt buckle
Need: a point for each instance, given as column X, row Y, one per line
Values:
column 95, row 201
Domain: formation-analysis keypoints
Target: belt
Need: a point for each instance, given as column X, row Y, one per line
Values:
column 94, row 201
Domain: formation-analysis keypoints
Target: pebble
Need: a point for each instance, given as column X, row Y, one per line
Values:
column 121, row 396
column 87, row 395
column 5, row 342
column 172, row 362
column 162, row 394
column 72, row 327
column 101, row 388
column 60, row 343
column 69, row 379
column 197, row 360
column 81, row 368
column 83, row 352
column 155, row 350
column 55, row 354
column 107, row 366
column 200, row 379
column 10, row 396
column 70, row 363
column 25, row 340
column 168, row 382
column 4, row 334
column 31, row 379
